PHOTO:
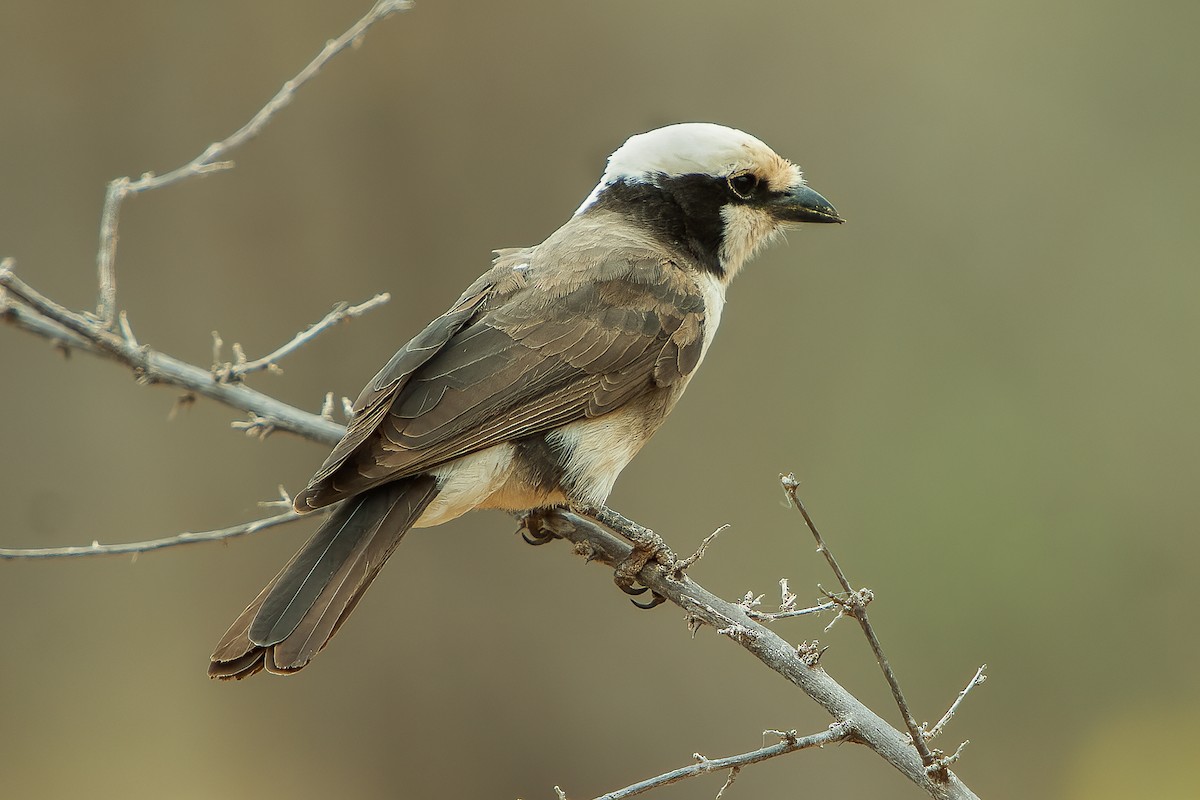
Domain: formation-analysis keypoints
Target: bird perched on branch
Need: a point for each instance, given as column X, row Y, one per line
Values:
column 541, row 382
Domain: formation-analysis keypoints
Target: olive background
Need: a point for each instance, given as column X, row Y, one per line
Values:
column 986, row 381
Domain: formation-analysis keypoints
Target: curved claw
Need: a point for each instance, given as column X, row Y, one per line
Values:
column 537, row 540
column 633, row 590
column 656, row 599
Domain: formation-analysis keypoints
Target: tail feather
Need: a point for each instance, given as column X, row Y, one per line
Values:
column 304, row 605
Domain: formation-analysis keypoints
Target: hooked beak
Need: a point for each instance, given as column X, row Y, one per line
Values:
column 802, row 204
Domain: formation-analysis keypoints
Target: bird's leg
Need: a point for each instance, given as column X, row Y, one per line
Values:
column 647, row 546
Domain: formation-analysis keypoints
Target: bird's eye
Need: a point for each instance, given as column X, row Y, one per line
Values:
column 743, row 184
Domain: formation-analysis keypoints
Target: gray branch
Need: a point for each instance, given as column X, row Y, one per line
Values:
column 598, row 544
column 26, row 308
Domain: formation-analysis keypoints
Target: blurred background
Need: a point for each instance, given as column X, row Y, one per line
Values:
column 986, row 381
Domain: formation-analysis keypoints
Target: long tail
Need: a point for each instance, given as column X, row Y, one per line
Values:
column 305, row 604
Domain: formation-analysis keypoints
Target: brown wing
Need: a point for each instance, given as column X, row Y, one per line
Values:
column 539, row 351
column 376, row 397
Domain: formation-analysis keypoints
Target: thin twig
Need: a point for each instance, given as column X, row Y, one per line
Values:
column 787, row 605
column 341, row 312
column 211, row 159
column 979, row 678
column 837, row 732
column 764, row 616
column 855, row 605
column 188, row 537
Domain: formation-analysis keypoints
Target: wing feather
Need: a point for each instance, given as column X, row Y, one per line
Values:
column 514, row 358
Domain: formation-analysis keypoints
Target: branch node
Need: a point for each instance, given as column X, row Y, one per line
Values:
column 810, row 652
column 256, row 425
column 750, row 600
column 941, row 762
column 790, row 737
column 284, row 500
column 585, row 550
column 738, row 632
column 141, row 366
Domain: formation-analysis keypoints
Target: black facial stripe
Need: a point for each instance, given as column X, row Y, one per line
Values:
column 685, row 210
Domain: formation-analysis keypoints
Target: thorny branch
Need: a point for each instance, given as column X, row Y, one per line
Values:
column 649, row 563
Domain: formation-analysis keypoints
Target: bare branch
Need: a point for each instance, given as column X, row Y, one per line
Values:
column 855, row 604
column 97, row 549
column 979, row 678
column 150, row 366
column 210, row 160
column 598, row 545
column 837, row 732
column 763, row 616
column 240, row 368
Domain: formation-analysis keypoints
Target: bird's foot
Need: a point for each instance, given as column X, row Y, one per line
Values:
column 535, row 531
column 648, row 547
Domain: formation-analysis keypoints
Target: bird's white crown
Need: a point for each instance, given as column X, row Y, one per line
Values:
column 683, row 149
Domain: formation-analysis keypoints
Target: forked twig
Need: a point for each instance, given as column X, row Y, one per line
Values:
column 855, row 604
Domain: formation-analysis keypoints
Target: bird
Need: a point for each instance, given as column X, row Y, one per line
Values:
column 541, row 382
